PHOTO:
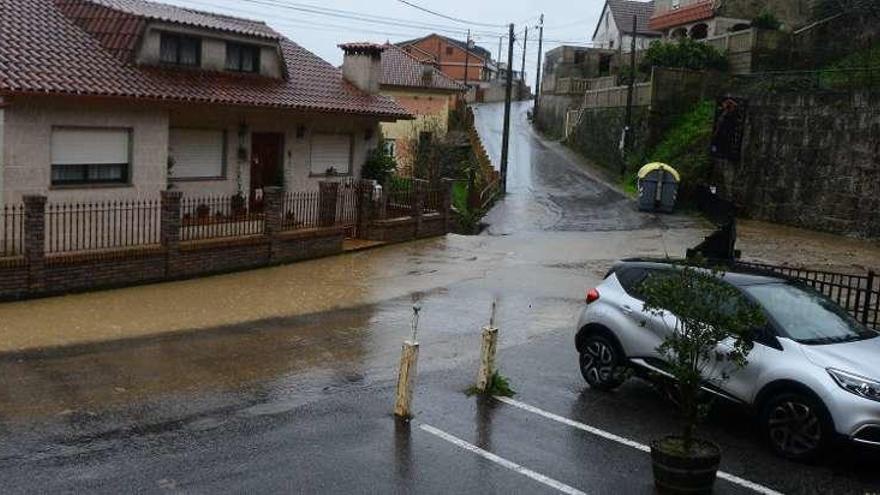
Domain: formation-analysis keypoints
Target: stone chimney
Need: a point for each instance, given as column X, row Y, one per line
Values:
column 362, row 65
column 427, row 75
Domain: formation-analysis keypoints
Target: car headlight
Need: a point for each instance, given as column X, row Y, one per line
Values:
column 856, row 384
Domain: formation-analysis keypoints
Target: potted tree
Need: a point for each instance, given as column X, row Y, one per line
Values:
column 709, row 334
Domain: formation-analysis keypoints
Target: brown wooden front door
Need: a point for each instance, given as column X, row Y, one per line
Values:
column 267, row 164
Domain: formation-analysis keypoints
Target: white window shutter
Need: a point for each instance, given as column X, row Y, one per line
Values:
column 83, row 146
column 331, row 150
column 197, row 153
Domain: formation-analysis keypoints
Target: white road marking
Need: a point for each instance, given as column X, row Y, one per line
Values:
column 540, row 478
column 625, row 441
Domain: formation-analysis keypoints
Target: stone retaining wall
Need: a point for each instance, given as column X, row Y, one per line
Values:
column 810, row 160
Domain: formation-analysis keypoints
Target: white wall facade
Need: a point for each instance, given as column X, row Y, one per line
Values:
column 26, row 129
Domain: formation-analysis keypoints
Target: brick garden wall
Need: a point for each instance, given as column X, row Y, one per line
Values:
column 38, row 274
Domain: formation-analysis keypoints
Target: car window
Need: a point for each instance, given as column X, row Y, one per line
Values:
column 630, row 279
column 806, row 316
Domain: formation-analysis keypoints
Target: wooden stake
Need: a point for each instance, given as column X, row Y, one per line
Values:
column 409, row 358
column 487, row 357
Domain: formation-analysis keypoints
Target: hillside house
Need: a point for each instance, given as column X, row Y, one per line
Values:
column 453, row 57
column 111, row 98
column 614, row 30
column 700, row 19
column 422, row 90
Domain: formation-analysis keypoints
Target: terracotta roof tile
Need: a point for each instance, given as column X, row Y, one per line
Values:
column 705, row 9
column 399, row 68
column 45, row 52
column 181, row 15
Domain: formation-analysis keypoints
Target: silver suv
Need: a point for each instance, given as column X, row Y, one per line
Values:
column 814, row 370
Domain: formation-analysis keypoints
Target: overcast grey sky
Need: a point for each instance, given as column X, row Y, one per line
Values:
column 564, row 20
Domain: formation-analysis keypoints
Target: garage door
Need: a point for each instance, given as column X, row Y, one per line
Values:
column 331, row 151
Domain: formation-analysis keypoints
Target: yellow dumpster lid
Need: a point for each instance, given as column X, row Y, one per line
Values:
column 647, row 169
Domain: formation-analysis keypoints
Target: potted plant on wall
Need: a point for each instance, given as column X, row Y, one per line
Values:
column 709, row 333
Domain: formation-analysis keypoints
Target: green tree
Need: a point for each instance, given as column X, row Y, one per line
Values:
column 683, row 54
column 380, row 165
column 700, row 311
column 766, row 20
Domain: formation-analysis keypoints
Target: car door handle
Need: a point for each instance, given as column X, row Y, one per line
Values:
column 627, row 310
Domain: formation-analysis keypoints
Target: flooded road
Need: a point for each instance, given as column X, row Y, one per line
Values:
column 281, row 379
column 551, row 189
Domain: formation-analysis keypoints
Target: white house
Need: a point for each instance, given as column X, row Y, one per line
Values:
column 615, row 31
column 99, row 97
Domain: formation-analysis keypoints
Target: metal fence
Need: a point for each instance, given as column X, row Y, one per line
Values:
column 214, row 217
column 300, row 210
column 12, row 230
column 858, row 294
column 433, row 200
column 73, row 227
column 399, row 198
column 347, row 207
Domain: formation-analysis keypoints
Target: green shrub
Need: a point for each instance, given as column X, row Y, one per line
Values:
column 683, row 54
column 380, row 165
column 766, row 20
column 686, row 145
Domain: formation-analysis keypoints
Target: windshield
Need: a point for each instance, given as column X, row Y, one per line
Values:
column 806, row 316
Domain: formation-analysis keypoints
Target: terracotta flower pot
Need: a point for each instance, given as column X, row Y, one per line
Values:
column 677, row 472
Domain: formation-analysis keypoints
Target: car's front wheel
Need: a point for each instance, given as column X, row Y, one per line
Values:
column 797, row 426
column 601, row 363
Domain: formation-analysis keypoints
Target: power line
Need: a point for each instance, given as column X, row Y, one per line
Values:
column 299, row 23
column 355, row 16
column 456, row 19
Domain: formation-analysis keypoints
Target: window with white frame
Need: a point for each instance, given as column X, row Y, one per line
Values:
column 330, row 154
column 83, row 155
column 197, row 153
column 390, row 147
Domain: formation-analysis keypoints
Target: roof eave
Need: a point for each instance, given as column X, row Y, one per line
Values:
column 396, row 115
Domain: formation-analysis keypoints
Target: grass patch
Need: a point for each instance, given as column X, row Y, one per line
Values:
column 498, row 387
column 460, row 195
column 629, row 184
column 686, row 145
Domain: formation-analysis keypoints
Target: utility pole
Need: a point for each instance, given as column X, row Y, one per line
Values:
column 505, row 137
column 498, row 73
column 467, row 61
column 522, row 72
column 627, row 130
column 538, row 69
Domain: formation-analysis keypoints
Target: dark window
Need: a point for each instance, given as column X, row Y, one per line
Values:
column 180, row 50
column 90, row 174
column 425, row 138
column 449, row 50
column 242, row 58
column 604, row 65
column 630, row 279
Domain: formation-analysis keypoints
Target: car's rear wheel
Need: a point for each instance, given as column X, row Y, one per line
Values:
column 796, row 425
column 601, row 363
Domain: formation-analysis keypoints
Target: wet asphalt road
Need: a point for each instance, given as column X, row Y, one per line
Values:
column 302, row 404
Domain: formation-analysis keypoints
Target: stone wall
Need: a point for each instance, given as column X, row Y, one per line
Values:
column 597, row 136
column 550, row 118
column 810, row 160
